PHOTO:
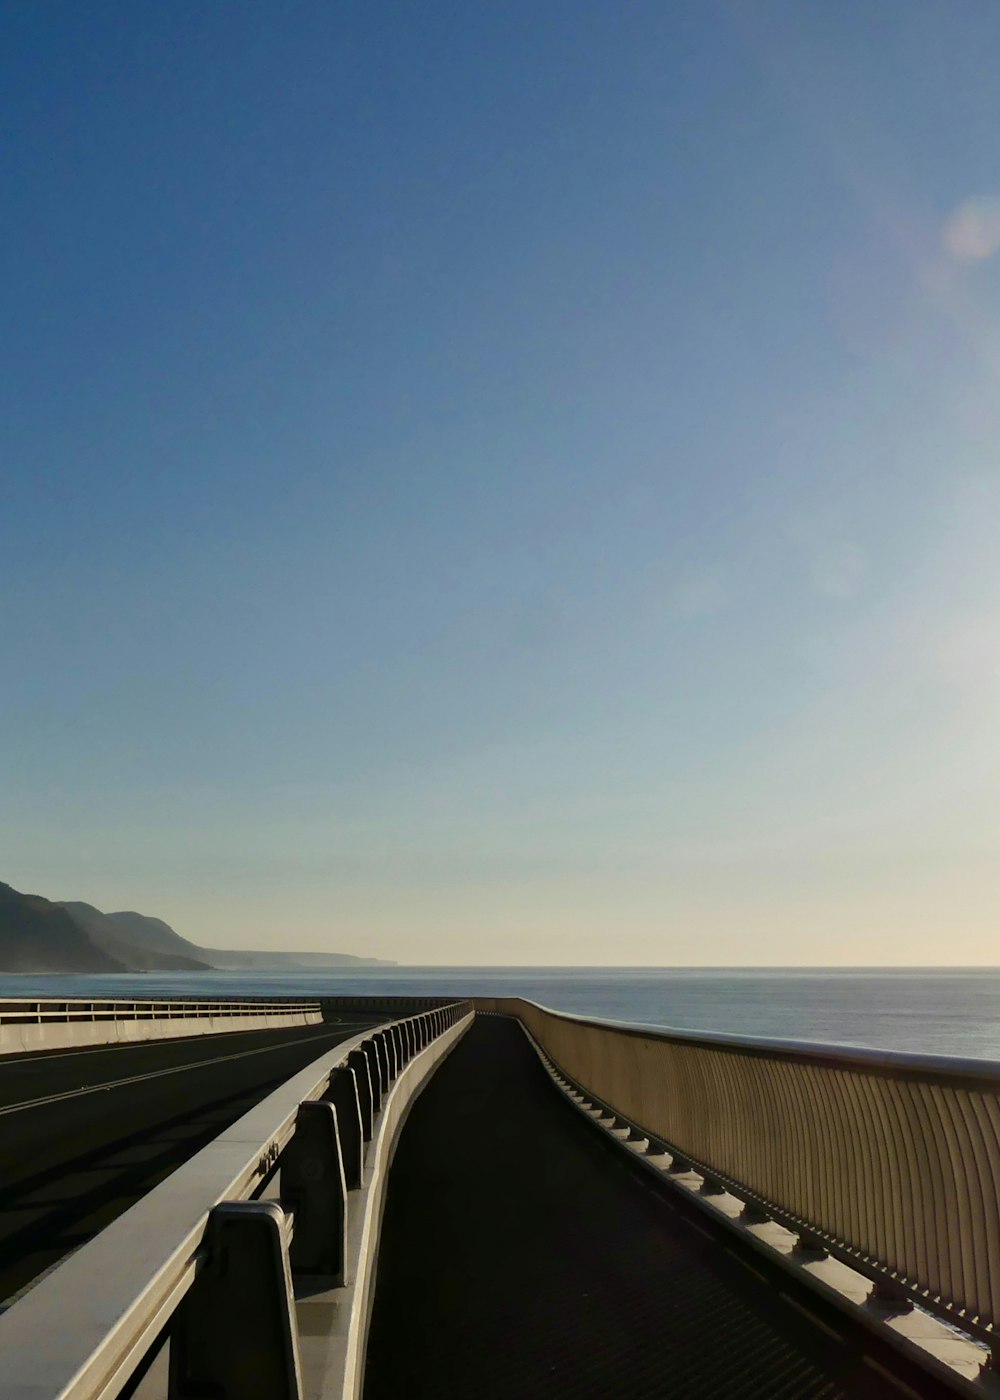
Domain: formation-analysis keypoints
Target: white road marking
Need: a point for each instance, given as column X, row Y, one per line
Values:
column 151, row 1074
column 15, row 1061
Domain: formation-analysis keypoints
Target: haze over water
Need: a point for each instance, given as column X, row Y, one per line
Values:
column 939, row 1011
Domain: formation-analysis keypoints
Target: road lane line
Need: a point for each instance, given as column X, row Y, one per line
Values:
column 152, row 1074
column 14, row 1061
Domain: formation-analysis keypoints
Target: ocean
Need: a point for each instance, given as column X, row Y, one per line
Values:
column 936, row 1011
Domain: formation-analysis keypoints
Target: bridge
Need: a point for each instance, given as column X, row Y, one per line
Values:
column 401, row 1198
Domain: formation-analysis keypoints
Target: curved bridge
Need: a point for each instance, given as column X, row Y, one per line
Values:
column 574, row 1209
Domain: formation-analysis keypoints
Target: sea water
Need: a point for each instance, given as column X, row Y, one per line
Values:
column 939, row 1011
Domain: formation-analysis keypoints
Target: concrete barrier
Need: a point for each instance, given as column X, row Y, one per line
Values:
column 209, row 1257
column 333, row 1327
column 38, row 1026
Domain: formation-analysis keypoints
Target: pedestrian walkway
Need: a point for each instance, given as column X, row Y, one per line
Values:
column 523, row 1256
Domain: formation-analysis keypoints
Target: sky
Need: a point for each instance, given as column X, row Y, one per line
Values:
column 505, row 483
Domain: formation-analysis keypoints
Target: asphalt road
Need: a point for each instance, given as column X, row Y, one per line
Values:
column 85, row 1133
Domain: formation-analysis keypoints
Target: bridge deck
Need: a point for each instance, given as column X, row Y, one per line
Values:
column 523, row 1256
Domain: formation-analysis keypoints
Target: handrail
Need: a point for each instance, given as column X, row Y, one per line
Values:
column 889, row 1161
column 84, row 1330
column 818, row 1051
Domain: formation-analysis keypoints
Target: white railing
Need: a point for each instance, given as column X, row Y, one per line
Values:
column 33, row 1012
column 203, row 1272
column 36, row 1024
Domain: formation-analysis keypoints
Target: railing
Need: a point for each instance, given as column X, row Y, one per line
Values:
column 890, row 1162
column 24, row 1011
column 206, row 1265
column 32, row 1024
column 395, row 1005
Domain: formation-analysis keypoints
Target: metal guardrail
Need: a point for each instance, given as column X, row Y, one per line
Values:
column 24, row 1011
column 202, row 1262
column 887, row 1161
column 400, row 1005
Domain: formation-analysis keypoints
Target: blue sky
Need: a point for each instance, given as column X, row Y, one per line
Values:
column 505, row 483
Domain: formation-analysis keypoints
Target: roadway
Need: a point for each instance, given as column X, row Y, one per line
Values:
column 86, row 1132
column 523, row 1253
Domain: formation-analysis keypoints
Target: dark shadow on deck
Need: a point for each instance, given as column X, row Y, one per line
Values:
column 521, row 1257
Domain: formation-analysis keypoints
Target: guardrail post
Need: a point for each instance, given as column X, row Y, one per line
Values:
column 359, row 1062
column 386, row 1060
column 753, row 1214
column 343, row 1094
column 382, row 1055
column 810, row 1245
column 234, row 1334
column 890, row 1296
column 376, row 1068
column 388, row 1042
column 312, row 1184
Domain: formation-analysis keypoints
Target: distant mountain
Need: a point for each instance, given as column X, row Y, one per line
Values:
column 150, row 943
column 37, row 935
column 256, row 960
column 41, row 935
column 141, row 943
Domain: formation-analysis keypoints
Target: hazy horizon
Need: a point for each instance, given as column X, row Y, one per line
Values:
column 514, row 483
column 290, row 944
